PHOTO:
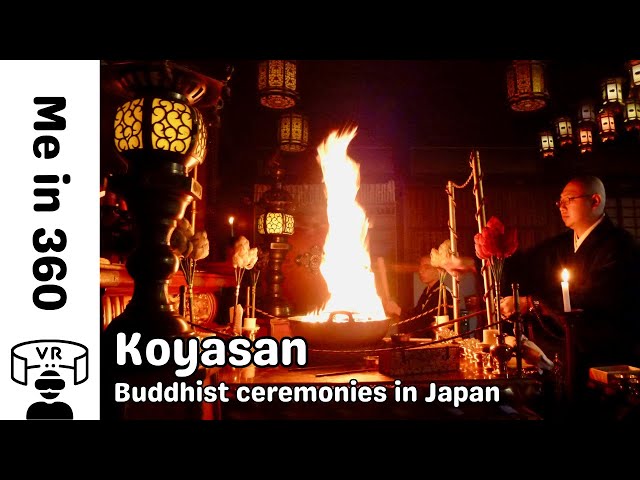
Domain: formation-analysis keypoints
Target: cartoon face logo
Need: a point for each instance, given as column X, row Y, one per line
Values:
column 50, row 384
column 50, row 360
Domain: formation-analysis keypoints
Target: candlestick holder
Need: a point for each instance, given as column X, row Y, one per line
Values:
column 250, row 333
column 501, row 354
column 570, row 372
column 517, row 328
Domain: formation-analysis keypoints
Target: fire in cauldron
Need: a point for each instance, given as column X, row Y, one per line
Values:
column 353, row 316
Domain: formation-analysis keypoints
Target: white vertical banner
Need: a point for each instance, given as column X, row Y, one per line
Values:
column 50, row 182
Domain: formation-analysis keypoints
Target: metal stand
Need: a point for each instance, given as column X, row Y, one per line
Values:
column 570, row 353
column 517, row 328
column 481, row 219
column 453, row 238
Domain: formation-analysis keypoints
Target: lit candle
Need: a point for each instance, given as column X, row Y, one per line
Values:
column 490, row 336
column 566, row 301
column 231, row 220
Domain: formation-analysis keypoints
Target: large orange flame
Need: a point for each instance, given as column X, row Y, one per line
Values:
column 346, row 265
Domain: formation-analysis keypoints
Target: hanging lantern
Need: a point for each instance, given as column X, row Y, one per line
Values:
column 587, row 113
column 546, row 144
column 277, row 84
column 585, row 138
column 632, row 114
column 611, row 90
column 606, row 125
column 526, row 85
column 587, row 120
column 293, row 132
column 564, row 131
column 634, row 73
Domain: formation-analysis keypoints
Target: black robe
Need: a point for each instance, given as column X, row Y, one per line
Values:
column 428, row 305
column 604, row 284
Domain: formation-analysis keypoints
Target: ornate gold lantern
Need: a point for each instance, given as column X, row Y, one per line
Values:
column 526, row 85
column 293, row 132
column 276, row 223
column 164, row 126
column 277, row 83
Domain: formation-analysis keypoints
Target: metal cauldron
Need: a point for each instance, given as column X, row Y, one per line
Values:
column 340, row 331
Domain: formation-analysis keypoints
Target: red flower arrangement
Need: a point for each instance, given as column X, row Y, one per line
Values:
column 496, row 241
column 494, row 244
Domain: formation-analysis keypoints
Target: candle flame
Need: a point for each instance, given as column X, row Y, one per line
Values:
column 231, row 220
column 565, row 275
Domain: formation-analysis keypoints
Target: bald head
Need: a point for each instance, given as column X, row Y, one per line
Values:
column 592, row 184
column 582, row 203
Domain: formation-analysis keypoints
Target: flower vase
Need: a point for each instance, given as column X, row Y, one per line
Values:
column 234, row 312
column 191, row 303
column 443, row 332
column 497, row 265
column 237, row 294
column 497, row 317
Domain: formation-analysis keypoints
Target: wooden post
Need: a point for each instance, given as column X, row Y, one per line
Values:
column 453, row 237
column 481, row 218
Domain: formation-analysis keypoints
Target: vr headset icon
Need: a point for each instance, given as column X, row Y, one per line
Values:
column 50, row 356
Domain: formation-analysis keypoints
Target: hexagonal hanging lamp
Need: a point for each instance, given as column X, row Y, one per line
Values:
column 607, row 125
column 526, row 85
column 546, row 144
column 611, row 90
column 277, row 83
column 564, row 131
column 633, row 66
column 293, row 132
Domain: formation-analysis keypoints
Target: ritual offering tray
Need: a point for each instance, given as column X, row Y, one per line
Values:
column 420, row 359
column 607, row 373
